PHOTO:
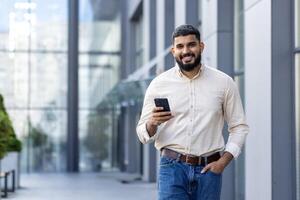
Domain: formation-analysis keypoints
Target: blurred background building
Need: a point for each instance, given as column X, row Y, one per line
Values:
column 73, row 75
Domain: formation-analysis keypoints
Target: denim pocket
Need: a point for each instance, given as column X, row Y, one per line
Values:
column 214, row 173
column 165, row 161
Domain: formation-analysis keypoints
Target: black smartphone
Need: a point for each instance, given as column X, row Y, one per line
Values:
column 162, row 102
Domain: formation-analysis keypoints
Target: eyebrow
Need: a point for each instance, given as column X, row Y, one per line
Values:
column 189, row 43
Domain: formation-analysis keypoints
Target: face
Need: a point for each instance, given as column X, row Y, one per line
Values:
column 187, row 52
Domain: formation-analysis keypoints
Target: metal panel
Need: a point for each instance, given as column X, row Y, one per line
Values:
column 283, row 137
column 169, row 28
column 225, row 63
column 72, row 136
column 192, row 12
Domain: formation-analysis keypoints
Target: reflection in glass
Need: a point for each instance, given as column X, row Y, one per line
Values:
column 99, row 64
column 14, row 84
column 297, row 121
column 99, row 28
column 98, row 74
column 49, row 25
column 48, row 80
column 43, row 134
column 35, row 24
column 238, row 36
column 32, row 78
column 14, row 24
column 139, row 44
column 97, row 141
column 19, row 120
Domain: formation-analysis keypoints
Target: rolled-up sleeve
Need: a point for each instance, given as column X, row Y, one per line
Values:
column 235, row 116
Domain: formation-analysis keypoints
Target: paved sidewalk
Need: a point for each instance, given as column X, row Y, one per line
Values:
column 83, row 186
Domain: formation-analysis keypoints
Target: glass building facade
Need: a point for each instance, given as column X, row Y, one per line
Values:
column 34, row 66
column 122, row 45
column 33, row 62
column 99, row 68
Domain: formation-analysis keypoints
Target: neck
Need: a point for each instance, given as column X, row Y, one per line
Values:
column 193, row 73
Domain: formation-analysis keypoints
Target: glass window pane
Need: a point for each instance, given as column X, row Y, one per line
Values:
column 139, row 42
column 47, row 140
column 14, row 24
column 98, row 140
column 99, row 64
column 297, row 120
column 49, row 28
column 19, row 120
column 43, row 134
column 99, row 28
column 14, row 78
column 297, row 23
column 48, row 80
column 98, row 74
column 238, row 36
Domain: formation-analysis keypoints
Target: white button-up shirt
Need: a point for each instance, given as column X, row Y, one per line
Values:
column 199, row 106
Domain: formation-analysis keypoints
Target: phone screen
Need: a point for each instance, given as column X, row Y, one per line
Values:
column 162, row 102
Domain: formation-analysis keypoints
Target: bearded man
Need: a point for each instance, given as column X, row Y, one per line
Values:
column 189, row 136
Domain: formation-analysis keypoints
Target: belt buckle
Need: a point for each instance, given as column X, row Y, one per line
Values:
column 189, row 159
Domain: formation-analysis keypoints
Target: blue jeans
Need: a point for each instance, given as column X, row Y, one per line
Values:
column 180, row 181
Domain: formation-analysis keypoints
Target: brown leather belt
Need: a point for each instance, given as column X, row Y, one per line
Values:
column 192, row 160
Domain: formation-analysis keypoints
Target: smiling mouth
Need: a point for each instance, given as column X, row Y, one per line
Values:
column 187, row 59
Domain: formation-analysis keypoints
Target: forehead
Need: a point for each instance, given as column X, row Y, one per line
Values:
column 185, row 39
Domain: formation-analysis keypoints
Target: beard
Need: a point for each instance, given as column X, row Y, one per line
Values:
column 190, row 66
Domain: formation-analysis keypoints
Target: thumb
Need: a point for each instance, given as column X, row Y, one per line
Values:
column 206, row 168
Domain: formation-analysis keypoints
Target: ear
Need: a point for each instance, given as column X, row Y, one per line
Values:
column 202, row 45
column 172, row 50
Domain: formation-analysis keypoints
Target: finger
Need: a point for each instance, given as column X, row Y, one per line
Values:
column 157, row 109
column 164, row 118
column 161, row 114
column 206, row 168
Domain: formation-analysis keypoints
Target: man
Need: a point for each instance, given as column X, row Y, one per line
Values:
column 189, row 137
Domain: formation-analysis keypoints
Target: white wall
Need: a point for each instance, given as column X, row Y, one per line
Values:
column 209, row 32
column 258, row 99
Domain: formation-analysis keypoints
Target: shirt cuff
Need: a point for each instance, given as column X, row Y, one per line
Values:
column 147, row 136
column 234, row 149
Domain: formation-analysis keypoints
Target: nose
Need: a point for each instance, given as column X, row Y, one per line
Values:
column 186, row 49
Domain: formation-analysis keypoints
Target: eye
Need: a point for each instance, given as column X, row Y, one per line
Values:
column 179, row 46
column 192, row 44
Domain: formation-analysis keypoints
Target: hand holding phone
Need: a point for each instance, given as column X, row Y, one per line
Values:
column 158, row 116
column 162, row 102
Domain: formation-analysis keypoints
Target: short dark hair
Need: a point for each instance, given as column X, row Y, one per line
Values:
column 184, row 30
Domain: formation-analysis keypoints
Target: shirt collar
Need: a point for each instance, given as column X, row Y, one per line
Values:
column 180, row 74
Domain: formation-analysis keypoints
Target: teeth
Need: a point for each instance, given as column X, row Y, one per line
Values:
column 187, row 59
